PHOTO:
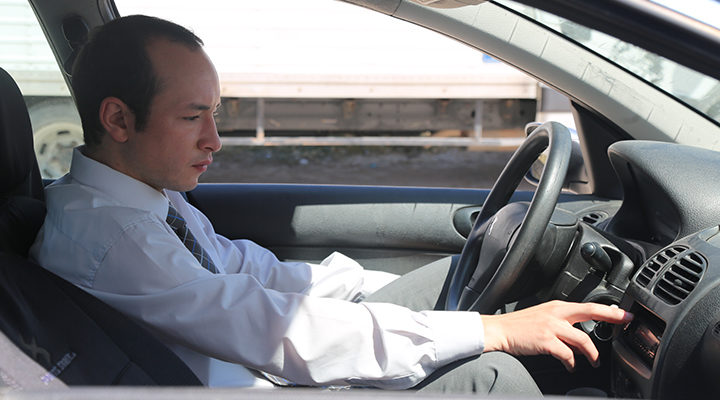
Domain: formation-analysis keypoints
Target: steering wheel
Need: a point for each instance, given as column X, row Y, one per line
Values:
column 505, row 236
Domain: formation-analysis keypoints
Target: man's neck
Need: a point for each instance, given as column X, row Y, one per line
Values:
column 110, row 158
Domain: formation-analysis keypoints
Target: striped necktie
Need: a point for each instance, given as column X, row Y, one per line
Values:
column 177, row 223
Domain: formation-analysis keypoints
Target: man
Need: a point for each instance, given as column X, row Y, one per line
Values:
column 118, row 227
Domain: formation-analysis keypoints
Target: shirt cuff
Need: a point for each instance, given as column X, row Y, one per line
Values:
column 459, row 334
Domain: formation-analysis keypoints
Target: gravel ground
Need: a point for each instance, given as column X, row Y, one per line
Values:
column 393, row 166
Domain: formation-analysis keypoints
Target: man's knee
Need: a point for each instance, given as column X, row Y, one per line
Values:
column 418, row 290
column 489, row 373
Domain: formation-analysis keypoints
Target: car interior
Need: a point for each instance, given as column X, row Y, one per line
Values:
column 624, row 213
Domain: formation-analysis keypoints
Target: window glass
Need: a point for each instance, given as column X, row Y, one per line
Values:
column 699, row 91
column 26, row 56
column 312, row 95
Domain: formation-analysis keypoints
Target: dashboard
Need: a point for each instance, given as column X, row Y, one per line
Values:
column 671, row 203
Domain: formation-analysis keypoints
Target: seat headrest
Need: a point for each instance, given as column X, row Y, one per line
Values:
column 20, row 174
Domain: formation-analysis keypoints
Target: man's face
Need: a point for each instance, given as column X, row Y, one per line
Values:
column 176, row 145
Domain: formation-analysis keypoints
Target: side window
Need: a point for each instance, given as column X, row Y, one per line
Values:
column 26, row 56
column 324, row 92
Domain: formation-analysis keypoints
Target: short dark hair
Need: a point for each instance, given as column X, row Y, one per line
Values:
column 114, row 62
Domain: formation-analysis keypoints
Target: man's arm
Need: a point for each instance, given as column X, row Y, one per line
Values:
column 148, row 274
column 548, row 329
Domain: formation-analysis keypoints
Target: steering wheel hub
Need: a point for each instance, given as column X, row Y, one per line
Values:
column 500, row 235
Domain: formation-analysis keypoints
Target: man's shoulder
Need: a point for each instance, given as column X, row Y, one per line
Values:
column 86, row 215
column 65, row 194
column 81, row 226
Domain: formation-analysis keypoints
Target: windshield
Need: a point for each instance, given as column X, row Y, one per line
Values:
column 695, row 89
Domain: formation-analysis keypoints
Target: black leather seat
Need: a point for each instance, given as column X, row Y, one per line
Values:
column 21, row 192
column 75, row 337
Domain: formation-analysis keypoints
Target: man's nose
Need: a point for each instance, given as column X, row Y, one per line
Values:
column 210, row 139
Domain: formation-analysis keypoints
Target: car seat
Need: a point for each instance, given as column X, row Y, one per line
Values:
column 75, row 337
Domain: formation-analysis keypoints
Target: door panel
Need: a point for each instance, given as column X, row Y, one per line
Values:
column 388, row 228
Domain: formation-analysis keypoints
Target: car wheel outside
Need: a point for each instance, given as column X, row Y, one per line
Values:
column 56, row 131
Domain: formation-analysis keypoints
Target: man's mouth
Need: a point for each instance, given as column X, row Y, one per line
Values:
column 203, row 165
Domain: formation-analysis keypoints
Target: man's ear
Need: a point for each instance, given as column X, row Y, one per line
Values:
column 117, row 119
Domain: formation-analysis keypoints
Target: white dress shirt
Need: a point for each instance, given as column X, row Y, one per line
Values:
column 106, row 232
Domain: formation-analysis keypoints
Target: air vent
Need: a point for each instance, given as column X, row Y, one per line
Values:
column 673, row 273
column 652, row 266
column 680, row 278
column 594, row 217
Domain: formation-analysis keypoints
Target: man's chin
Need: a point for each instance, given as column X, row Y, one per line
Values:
column 183, row 187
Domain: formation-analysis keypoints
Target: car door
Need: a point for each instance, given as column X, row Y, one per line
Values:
column 394, row 229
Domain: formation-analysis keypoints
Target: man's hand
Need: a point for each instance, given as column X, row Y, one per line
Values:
column 548, row 329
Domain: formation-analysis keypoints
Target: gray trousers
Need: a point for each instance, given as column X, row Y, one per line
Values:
column 492, row 373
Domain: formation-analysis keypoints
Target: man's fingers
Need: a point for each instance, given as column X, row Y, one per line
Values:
column 579, row 312
column 580, row 341
column 562, row 352
column 548, row 328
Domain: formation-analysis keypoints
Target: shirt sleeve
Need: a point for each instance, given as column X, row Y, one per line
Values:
column 303, row 336
column 337, row 276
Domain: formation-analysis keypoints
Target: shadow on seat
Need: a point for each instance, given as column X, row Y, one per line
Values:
column 76, row 338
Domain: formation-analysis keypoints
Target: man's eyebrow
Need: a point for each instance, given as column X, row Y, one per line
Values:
column 200, row 107
column 203, row 107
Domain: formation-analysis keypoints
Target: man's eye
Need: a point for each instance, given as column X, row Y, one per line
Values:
column 192, row 118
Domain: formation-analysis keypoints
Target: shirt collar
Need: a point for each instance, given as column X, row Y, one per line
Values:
column 123, row 188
